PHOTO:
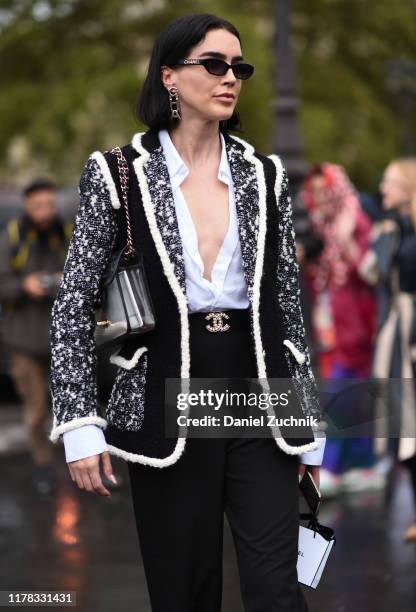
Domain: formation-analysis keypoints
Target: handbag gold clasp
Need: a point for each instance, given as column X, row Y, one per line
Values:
column 105, row 323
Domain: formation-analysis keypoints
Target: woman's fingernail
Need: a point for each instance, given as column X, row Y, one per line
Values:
column 113, row 479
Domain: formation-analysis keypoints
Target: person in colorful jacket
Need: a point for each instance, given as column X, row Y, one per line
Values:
column 344, row 316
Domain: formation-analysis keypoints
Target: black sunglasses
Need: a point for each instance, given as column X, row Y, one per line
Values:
column 218, row 67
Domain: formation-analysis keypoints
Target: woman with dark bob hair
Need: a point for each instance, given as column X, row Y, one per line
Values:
column 212, row 218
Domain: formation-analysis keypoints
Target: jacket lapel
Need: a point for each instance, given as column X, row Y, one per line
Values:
column 155, row 186
column 154, row 171
column 246, row 193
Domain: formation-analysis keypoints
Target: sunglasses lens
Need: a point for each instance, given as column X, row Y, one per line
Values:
column 243, row 71
column 217, row 67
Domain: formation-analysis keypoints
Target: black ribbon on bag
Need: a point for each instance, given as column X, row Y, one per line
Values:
column 312, row 498
column 326, row 532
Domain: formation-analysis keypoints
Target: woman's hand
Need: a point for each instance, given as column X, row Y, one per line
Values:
column 314, row 471
column 86, row 473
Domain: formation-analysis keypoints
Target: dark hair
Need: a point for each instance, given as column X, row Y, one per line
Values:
column 172, row 44
column 317, row 169
column 39, row 184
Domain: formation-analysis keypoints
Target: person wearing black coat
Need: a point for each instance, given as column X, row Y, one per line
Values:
column 213, row 220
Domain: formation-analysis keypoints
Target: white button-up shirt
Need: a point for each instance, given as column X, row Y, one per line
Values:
column 226, row 290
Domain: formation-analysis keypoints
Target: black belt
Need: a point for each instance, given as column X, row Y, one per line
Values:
column 216, row 321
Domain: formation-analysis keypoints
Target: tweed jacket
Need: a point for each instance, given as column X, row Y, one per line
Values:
column 134, row 417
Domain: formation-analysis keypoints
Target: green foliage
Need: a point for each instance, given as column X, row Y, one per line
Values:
column 71, row 71
column 349, row 114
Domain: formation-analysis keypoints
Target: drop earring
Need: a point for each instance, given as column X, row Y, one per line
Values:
column 174, row 103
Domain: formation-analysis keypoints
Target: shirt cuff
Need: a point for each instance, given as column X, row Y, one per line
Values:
column 314, row 457
column 84, row 442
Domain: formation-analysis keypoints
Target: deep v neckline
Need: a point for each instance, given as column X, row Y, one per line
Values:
column 193, row 235
column 178, row 171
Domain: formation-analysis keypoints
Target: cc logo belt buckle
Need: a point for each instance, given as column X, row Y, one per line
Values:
column 217, row 324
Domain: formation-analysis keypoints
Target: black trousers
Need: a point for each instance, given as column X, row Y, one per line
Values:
column 179, row 509
column 411, row 466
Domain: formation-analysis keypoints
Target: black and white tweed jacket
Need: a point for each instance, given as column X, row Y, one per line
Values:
column 134, row 418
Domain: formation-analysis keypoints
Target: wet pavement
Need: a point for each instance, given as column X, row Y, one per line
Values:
column 75, row 541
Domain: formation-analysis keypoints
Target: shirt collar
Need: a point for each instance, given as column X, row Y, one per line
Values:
column 177, row 168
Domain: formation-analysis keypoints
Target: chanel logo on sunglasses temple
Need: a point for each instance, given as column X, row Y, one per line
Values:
column 219, row 67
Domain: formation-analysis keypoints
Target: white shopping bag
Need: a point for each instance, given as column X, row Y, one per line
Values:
column 313, row 552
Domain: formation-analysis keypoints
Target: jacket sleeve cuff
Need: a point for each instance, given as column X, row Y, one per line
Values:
column 84, row 442
column 58, row 430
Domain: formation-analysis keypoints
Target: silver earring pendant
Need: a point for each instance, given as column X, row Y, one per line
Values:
column 174, row 103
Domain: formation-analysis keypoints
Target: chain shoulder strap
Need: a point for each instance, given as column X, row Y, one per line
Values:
column 123, row 172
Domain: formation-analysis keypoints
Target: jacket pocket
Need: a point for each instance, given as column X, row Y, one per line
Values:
column 297, row 354
column 125, row 408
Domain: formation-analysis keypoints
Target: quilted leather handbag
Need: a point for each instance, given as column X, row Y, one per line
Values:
column 125, row 307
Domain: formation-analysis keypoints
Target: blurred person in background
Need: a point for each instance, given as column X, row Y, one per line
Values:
column 308, row 248
column 343, row 314
column 33, row 249
column 393, row 270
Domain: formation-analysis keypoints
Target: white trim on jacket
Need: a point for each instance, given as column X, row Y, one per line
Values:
column 101, row 161
column 168, row 268
column 181, row 299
